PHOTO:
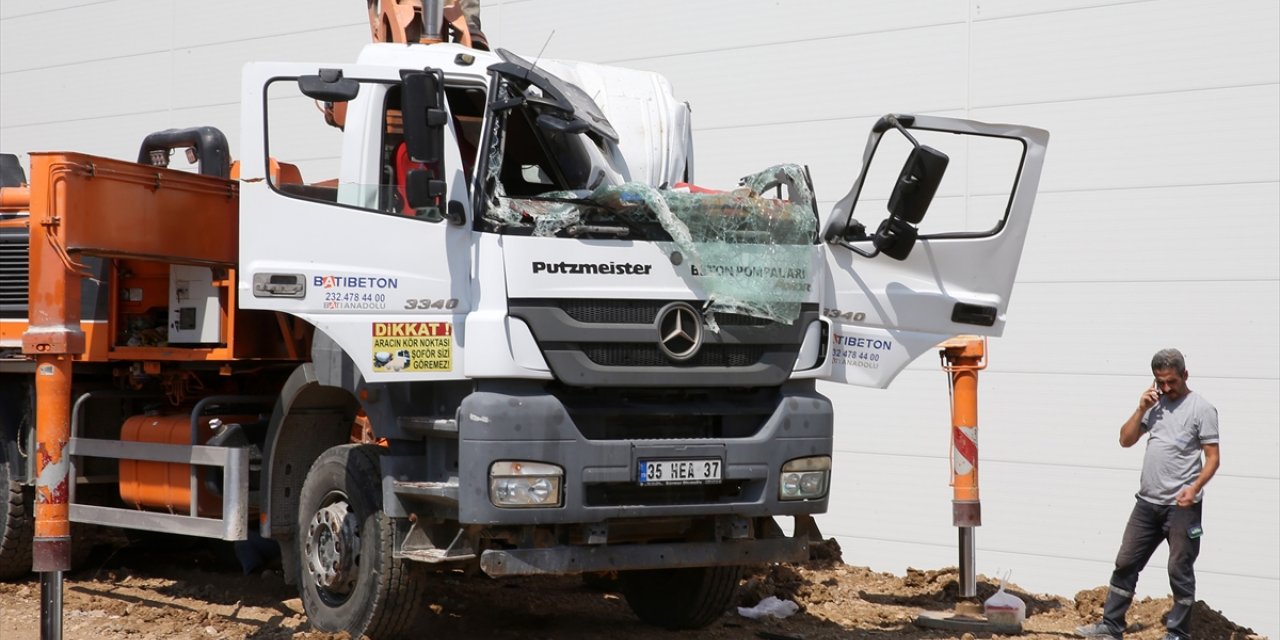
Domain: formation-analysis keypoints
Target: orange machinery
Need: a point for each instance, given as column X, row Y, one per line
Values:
column 159, row 218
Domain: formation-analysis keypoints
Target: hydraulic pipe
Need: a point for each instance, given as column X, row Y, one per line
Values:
column 426, row 21
column 962, row 358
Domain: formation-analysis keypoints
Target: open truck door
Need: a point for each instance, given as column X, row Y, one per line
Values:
column 896, row 286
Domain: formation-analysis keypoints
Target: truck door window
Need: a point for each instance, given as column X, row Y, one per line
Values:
column 466, row 106
column 974, row 196
column 359, row 162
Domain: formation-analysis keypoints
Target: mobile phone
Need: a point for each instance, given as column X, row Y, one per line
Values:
column 1155, row 384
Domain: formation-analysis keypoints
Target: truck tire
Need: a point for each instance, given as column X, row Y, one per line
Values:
column 680, row 598
column 349, row 580
column 16, row 523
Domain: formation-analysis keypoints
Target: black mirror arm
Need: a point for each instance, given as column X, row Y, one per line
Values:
column 509, row 103
column 855, row 229
column 897, row 124
column 862, row 252
column 896, row 121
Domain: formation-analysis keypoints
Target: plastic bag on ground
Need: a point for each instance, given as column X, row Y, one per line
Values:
column 1004, row 607
column 770, row 606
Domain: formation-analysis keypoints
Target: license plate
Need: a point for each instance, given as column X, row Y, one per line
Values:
column 699, row 471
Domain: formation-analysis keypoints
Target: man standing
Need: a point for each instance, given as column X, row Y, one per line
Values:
column 1180, row 424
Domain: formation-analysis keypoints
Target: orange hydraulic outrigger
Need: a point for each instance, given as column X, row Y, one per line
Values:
column 962, row 358
column 66, row 191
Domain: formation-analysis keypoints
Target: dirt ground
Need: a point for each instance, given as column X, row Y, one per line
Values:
column 141, row 592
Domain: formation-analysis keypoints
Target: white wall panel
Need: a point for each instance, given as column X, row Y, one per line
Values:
column 1043, row 419
column 16, row 8
column 118, row 136
column 1018, row 500
column 632, row 33
column 204, row 23
column 98, row 89
column 115, row 136
column 998, row 9
column 1227, row 329
column 1217, row 232
column 831, row 148
column 210, row 74
column 116, row 29
column 1071, row 55
column 1038, row 419
column 811, row 81
column 1157, row 140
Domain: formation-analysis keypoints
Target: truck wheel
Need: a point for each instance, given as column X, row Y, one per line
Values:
column 680, row 598
column 16, row 523
column 349, row 579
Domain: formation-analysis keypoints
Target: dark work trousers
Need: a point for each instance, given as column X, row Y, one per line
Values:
column 1149, row 525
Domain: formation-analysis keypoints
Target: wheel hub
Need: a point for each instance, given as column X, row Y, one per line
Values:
column 333, row 547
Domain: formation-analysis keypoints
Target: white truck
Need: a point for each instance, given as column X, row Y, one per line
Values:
column 559, row 355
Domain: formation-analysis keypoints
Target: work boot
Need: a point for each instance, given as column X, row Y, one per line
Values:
column 1098, row 630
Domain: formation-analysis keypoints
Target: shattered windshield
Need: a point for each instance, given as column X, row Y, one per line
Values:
column 566, row 97
column 550, row 173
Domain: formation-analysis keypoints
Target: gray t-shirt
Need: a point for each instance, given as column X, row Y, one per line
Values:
column 1176, row 431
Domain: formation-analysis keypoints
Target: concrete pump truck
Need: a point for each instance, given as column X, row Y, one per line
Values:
column 474, row 314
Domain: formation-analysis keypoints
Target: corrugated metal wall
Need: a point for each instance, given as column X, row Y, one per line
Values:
column 1158, row 221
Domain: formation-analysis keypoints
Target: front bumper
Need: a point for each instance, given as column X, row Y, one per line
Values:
column 523, row 423
column 629, row 557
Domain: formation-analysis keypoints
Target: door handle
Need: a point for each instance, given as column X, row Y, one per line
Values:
column 981, row 315
column 279, row 285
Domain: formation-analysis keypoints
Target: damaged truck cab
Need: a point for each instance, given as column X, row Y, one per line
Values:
column 559, row 354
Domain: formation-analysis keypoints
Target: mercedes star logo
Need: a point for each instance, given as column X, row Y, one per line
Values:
column 679, row 331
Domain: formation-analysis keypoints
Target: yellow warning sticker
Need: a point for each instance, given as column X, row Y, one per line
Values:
column 412, row 346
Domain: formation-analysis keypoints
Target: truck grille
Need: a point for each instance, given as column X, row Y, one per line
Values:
column 622, row 494
column 614, row 343
column 13, row 273
column 647, row 355
column 662, row 414
column 640, row 312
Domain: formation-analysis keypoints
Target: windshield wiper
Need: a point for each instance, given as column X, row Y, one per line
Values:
column 578, row 230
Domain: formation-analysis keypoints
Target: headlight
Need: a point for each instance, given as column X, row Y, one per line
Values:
column 517, row 483
column 804, row 478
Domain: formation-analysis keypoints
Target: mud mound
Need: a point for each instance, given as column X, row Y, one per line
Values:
column 825, row 554
column 133, row 592
column 1149, row 613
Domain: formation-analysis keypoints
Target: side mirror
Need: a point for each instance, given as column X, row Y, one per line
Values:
column 421, row 106
column 895, row 238
column 329, row 86
column 424, row 191
column 913, row 192
column 918, row 182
